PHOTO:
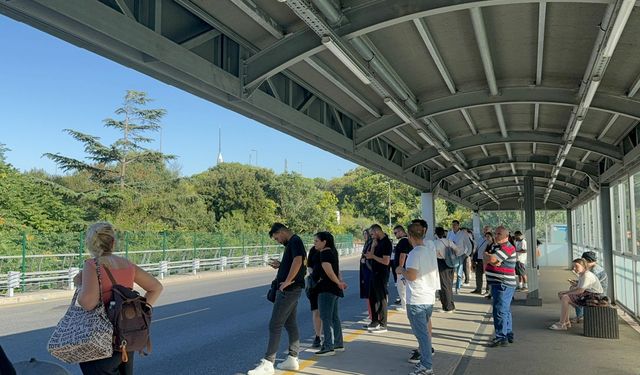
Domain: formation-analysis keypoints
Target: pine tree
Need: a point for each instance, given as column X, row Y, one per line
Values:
column 107, row 164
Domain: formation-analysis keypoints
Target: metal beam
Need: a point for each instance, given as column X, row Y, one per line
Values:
column 485, row 50
column 483, row 202
column 466, row 142
column 200, row 39
column 621, row 105
column 427, row 38
column 579, row 183
column 539, row 190
column 542, row 16
column 125, row 9
column 588, row 169
column 509, row 185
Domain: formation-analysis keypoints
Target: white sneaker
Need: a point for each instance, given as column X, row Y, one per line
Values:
column 264, row 368
column 466, row 284
column 400, row 309
column 291, row 363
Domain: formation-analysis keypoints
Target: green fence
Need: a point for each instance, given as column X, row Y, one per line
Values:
column 43, row 260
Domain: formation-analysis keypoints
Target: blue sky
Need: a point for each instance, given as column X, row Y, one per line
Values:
column 49, row 85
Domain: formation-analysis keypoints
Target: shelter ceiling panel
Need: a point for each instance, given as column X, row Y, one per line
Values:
column 496, row 150
column 546, row 149
column 179, row 25
column 453, row 124
column 454, row 36
column 624, row 66
column 400, row 141
column 518, row 116
column 554, row 118
column 513, row 37
column 237, row 20
column 571, row 31
column 320, row 84
column 403, row 48
column 594, row 123
column 280, row 13
column 619, row 129
column 523, row 149
column 484, row 119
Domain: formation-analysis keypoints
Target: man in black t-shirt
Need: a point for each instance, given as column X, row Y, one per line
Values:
column 380, row 257
column 402, row 249
column 290, row 278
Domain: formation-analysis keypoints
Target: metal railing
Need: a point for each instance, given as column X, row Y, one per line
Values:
column 29, row 272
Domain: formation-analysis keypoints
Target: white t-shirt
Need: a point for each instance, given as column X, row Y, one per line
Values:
column 521, row 251
column 589, row 282
column 422, row 291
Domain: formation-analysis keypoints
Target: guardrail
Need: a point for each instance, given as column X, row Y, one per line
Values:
column 159, row 262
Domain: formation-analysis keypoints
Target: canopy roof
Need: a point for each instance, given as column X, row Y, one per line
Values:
column 460, row 98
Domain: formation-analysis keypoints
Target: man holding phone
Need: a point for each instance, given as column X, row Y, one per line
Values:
column 290, row 278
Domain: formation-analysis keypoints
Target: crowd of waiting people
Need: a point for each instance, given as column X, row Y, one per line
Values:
column 424, row 270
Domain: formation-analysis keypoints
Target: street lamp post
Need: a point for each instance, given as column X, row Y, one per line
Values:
column 389, row 195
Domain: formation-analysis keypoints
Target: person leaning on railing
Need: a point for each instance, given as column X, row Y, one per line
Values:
column 100, row 242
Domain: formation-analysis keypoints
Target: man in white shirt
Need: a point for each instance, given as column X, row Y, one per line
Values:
column 521, row 261
column 462, row 241
column 422, row 277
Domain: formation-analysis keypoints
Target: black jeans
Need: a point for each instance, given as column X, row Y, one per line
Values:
column 109, row 366
column 479, row 273
column 446, row 285
column 378, row 293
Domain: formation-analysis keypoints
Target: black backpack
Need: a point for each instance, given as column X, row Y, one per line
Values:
column 130, row 315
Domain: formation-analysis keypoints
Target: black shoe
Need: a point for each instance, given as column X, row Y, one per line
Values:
column 510, row 339
column 498, row 343
column 325, row 352
column 476, row 291
column 398, row 301
column 488, row 296
column 433, row 351
column 339, row 348
column 415, row 357
column 316, row 342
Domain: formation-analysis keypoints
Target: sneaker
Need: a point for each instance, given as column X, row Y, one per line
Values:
column 466, row 284
column 510, row 339
column 450, row 311
column 373, row 326
column 398, row 301
column 421, row 370
column 291, row 363
column 379, row 329
column 498, row 343
column 415, row 357
column 400, row 309
column 476, row 291
column 325, row 352
column 264, row 368
column 433, row 351
column 339, row 348
column 316, row 342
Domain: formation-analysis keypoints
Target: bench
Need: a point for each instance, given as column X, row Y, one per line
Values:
column 601, row 322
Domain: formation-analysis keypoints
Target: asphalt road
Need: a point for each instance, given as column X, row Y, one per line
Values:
column 204, row 326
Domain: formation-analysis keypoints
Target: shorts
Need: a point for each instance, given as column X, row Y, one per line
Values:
column 313, row 301
column 521, row 269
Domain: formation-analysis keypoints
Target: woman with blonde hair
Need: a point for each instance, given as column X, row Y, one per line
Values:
column 588, row 284
column 100, row 242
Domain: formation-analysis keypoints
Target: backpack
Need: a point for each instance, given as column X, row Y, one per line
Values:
column 450, row 257
column 130, row 315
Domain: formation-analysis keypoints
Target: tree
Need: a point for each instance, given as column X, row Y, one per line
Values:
column 108, row 164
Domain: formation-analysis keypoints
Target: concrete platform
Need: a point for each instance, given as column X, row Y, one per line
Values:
column 460, row 338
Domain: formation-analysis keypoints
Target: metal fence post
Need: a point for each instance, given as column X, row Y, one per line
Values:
column 13, row 282
column 73, row 271
column 24, row 261
column 164, row 245
column 126, row 245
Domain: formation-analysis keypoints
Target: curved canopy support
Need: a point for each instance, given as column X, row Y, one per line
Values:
column 483, row 202
column 620, row 105
column 583, row 184
column 478, row 140
column 509, row 185
column 588, row 169
column 514, row 204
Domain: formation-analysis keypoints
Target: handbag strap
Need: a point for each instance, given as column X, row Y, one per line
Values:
column 113, row 280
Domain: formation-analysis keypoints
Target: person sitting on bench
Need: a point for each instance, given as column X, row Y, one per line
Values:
column 588, row 284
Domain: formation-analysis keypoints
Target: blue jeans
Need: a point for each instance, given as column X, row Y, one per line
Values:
column 579, row 311
column 328, row 306
column 501, row 296
column 419, row 316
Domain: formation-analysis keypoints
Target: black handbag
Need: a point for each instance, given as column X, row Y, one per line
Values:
column 309, row 285
column 271, row 294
